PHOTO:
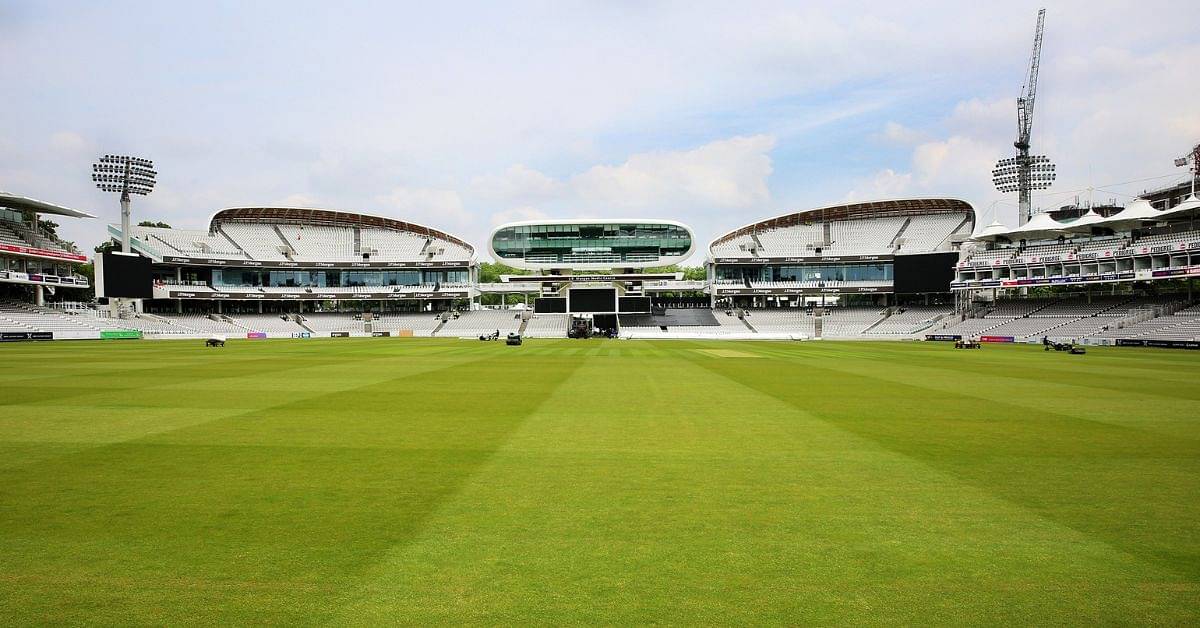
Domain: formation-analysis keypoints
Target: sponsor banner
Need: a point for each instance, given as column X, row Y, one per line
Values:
column 339, row 334
column 1176, row 272
column 944, row 337
column 121, row 334
column 315, row 296
column 1164, row 344
column 737, row 290
column 255, row 335
column 996, row 339
column 302, row 334
column 207, row 261
column 805, row 259
column 14, row 336
column 28, row 250
column 381, row 334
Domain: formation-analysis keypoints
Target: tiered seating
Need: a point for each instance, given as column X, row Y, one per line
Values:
column 928, row 233
column 909, row 320
column 479, row 322
column 863, row 237
column 395, row 244
column 993, row 255
column 18, row 316
column 848, row 322
column 325, row 322
column 795, row 240
column 260, row 242
column 315, row 242
column 421, row 324
column 1100, row 245
column 1036, row 251
column 548, row 326
column 784, row 320
column 8, row 236
column 187, row 242
column 267, row 323
column 202, row 324
column 1168, row 238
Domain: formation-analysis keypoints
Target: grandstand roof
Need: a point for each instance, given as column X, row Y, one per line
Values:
column 12, row 201
column 1044, row 225
column 853, row 211
column 331, row 217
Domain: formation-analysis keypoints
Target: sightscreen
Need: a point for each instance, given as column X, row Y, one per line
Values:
column 550, row 305
column 127, row 276
column 593, row 299
column 635, row 304
column 931, row 272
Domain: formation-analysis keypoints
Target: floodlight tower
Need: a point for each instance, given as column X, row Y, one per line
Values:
column 1192, row 158
column 127, row 175
column 1025, row 173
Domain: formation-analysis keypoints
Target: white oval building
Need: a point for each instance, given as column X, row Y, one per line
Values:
column 591, row 244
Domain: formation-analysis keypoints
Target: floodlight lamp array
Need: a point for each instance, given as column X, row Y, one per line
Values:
column 120, row 173
column 1007, row 174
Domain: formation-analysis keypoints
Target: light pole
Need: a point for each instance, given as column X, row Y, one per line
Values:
column 127, row 175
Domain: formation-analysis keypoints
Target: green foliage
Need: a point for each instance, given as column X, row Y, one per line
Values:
column 151, row 223
column 49, row 226
column 489, row 272
column 446, row 482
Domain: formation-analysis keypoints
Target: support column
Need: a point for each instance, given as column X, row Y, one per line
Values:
column 39, row 295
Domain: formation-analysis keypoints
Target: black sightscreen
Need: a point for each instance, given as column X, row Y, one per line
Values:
column 127, row 276
column 931, row 272
column 593, row 299
column 635, row 304
column 550, row 305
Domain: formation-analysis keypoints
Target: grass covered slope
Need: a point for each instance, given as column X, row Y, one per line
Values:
column 437, row 481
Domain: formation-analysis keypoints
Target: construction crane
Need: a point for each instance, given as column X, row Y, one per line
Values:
column 1025, row 173
column 1192, row 158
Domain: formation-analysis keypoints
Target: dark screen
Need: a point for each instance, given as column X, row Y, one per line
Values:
column 635, row 304
column 593, row 300
column 127, row 276
column 550, row 305
column 931, row 272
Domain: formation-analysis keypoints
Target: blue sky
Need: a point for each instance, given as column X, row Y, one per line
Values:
column 462, row 115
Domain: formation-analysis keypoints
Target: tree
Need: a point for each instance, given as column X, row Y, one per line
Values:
column 48, row 226
column 151, row 223
column 489, row 272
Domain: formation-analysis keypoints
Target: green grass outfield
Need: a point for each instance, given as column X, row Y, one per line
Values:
column 367, row 481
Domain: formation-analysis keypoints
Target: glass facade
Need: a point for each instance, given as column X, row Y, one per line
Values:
column 814, row 272
column 255, row 277
column 592, row 243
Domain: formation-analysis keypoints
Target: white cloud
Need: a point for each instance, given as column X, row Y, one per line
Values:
column 430, row 206
column 69, row 144
column 899, row 134
column 517, row 213
column 516, row 182
column 728, row 173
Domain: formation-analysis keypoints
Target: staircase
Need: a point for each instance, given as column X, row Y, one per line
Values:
column 742, row 317
column 899, row 234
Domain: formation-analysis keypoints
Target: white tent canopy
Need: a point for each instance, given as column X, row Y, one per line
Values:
column 1044, row 226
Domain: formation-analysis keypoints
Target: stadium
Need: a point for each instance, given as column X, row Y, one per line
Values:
column 355, row 452
column 343, row 389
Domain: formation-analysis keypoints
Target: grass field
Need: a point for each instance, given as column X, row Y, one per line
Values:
column 616, row 482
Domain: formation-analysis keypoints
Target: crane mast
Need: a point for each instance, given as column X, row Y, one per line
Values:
column 1025, row 173
column 1029, row 90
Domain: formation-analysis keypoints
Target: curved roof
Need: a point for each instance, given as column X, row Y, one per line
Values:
column 331, row 217
column 855, row 211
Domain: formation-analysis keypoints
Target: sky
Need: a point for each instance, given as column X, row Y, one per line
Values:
column 461, row 116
